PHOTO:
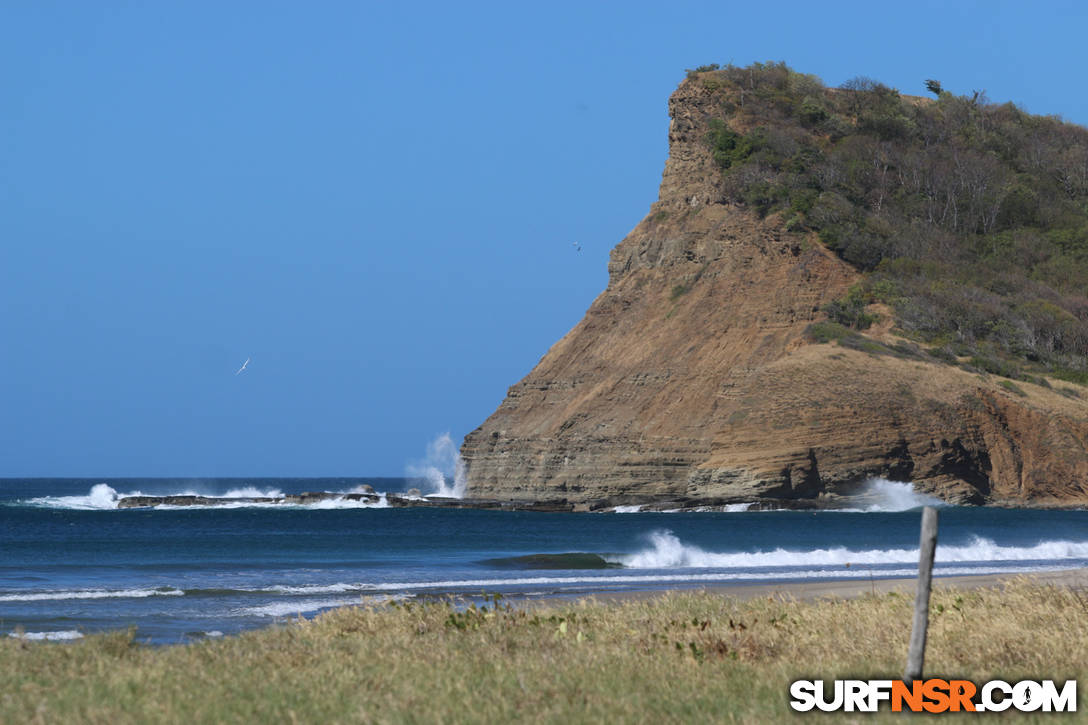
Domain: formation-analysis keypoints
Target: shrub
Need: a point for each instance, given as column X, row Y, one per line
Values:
column 764, row 197
column 995, row 367
column 1012, row 388
column 1070, row 375
column 729, row 148
column 969, row 219
column 812, row 112
column 850, row 310
column 855, row 341
column 822, row 332
column 944, row 355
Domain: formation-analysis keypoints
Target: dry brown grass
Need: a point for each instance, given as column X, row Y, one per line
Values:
column 684, row 657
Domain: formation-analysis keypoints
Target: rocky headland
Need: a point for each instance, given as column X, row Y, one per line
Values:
column 696, row 375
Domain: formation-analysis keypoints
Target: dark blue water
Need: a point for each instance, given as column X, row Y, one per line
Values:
column 70, row 562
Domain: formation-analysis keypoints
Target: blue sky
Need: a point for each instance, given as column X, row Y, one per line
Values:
column 375, row 202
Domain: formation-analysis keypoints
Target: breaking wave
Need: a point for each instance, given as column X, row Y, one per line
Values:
column 103, row 497
column 89, row 594
column 666, row 551
column 68, row 634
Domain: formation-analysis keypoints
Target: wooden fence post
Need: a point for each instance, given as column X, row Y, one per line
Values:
column 927, row 546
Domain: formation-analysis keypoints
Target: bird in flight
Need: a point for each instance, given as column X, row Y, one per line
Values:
column 577, row 246
column 244, row 365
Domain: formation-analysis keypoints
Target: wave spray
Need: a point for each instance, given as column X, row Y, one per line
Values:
column 881, row 494
column 443, row 469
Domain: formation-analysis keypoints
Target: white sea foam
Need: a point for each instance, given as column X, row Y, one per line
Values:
column 235, row 505
column 102, row 497
column 336, row 588
column 875, row 495
column 443, row 469
column 342, row 503
column 288, row 608
column 627, row 509
column 90, row 594
column 249, row 492
column 332, row 503
column 666, row 551
column 61, row 636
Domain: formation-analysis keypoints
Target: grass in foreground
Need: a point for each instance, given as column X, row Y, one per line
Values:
column 686, row 657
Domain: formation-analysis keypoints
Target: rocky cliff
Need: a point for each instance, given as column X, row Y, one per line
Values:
column 692, row 378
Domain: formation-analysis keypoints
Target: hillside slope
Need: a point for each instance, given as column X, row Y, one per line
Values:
column 697, row 374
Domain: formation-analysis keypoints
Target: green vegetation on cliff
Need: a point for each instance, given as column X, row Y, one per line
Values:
column 968, row 218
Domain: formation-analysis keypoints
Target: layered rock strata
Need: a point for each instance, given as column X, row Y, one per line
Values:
column 691, row 378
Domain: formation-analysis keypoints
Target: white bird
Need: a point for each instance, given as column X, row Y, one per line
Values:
column 577, row 246
column 243, row 366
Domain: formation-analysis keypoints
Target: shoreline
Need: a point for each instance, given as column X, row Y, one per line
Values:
column 690, row 657
column 831, row 589
column 798, row 591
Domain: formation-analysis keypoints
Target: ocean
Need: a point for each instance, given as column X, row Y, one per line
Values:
column 71, row 563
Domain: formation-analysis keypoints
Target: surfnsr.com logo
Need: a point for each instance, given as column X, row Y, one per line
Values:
column 933, row 695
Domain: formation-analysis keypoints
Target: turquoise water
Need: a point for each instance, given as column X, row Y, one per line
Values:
column 71, row 563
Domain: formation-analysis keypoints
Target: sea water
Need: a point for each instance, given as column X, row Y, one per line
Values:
column 72, row 563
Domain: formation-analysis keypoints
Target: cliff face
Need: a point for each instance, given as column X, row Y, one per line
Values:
column 690, row 377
